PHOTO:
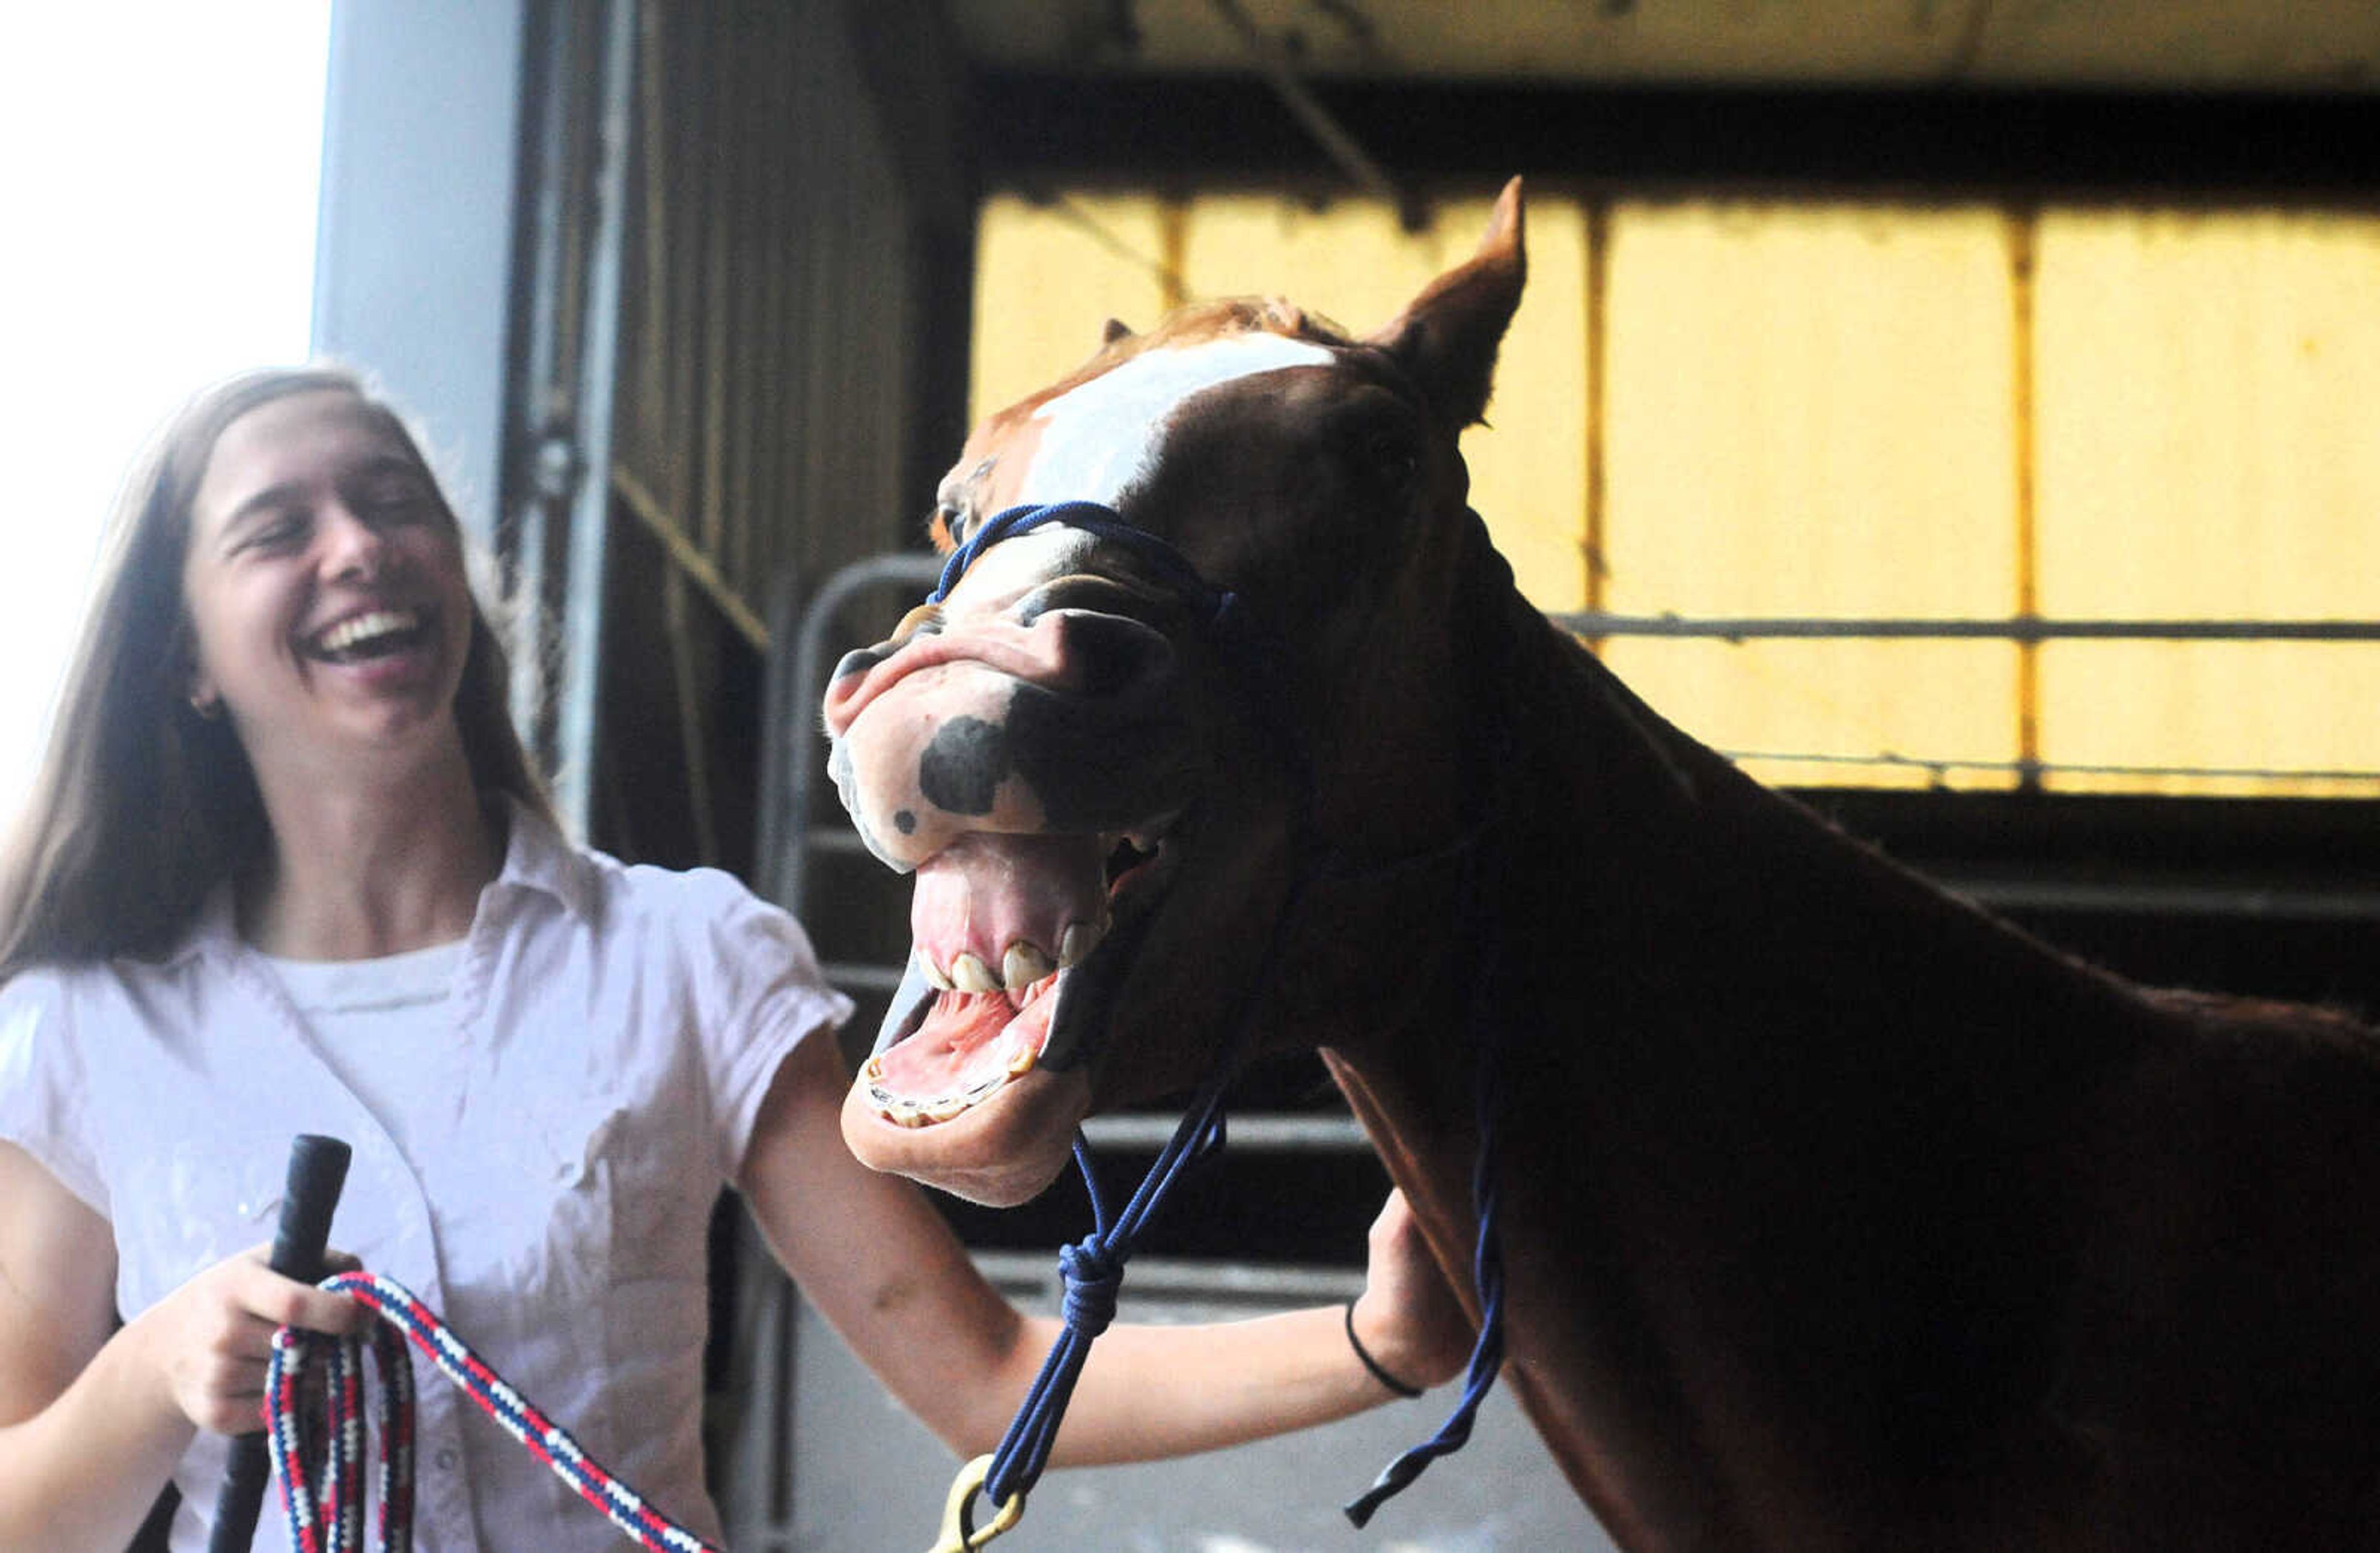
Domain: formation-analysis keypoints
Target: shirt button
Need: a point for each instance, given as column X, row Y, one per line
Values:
column 444, row 1460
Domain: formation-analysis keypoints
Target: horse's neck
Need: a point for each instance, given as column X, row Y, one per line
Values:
column 1671, row 930
column 1735, row 1051
column 1639, row 836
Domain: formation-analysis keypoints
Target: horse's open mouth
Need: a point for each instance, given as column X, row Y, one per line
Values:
column 974, row 1028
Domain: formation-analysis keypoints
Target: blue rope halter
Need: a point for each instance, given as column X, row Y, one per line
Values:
column 1486, row 1255
column 1100, row 522
column 1092, row 1269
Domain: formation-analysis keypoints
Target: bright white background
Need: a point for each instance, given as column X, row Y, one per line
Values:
column 159, row 162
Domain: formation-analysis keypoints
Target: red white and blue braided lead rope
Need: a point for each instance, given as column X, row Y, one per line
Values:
column 331, row 1520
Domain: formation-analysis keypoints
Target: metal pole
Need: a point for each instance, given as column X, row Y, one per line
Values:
column 579, row 724
column 2018, row 628
column 543, row 456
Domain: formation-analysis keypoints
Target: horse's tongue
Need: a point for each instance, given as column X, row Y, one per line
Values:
column 969, row 1043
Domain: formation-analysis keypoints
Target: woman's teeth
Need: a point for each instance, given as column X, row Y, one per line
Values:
column 357, row 630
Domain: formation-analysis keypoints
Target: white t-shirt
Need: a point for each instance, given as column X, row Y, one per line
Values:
column 583, row 1088
column 372, row 1019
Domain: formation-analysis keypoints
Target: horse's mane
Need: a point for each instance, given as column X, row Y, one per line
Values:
column 1212, row 319
column 1236, row 315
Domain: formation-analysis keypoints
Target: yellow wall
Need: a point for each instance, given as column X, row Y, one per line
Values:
column 2207, row 384
column 1810, row 412
column 1850, row 409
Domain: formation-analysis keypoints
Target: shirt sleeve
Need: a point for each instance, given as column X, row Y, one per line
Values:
column 47, row 1106
column 762, row 991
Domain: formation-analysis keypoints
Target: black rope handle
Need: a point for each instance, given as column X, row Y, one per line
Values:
column 317, row 1169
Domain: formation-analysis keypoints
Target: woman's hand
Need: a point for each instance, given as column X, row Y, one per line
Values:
column 1408, row 1318
column 208, row 1343
column 93, row 1417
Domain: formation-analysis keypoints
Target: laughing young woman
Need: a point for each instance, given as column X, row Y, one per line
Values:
column 288, row 870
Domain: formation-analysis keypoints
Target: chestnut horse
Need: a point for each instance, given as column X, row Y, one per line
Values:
column 1834, row 1213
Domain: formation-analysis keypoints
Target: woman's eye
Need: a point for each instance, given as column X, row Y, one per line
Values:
column 279, row 533
column 395, row 503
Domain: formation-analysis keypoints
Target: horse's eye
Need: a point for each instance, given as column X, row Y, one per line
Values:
column 949, row 522
column 1392, row 461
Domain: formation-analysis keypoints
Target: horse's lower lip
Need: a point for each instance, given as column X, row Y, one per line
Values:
column 1000, row 1152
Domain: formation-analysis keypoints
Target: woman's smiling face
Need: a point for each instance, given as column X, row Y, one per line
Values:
column 324, row 583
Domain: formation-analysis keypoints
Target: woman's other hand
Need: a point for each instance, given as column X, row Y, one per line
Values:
column 1408, row 1318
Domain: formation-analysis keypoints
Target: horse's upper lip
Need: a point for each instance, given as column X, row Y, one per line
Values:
column 1044, row 649
column 1029, row 653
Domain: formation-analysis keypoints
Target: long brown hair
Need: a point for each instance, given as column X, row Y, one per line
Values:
column 143, row 806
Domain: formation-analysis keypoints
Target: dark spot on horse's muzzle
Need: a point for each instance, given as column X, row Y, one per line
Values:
column 963, row 768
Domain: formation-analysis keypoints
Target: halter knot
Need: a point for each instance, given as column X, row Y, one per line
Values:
column 1094, row 1277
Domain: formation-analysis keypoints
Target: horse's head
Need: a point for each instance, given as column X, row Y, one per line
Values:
column 1108, row 760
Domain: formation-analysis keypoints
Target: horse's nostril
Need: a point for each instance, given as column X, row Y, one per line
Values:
column 844, row 687
column 1107, row 654
column 858, row 662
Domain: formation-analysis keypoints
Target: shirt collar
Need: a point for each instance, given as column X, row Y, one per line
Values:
column 537, row 857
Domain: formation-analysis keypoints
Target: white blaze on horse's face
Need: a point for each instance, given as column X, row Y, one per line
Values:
column 1100, row 439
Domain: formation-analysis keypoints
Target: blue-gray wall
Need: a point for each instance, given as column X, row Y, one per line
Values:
column 413, row 259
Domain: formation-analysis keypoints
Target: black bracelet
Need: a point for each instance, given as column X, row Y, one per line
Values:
column 1382, row 1376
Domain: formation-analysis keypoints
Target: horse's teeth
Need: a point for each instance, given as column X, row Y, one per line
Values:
column 1024, row 965
column 936, row 977
column 874, row 1068
column 942, row 1111
column 1081, row 938
column 1022, row 1063
column 969, row 974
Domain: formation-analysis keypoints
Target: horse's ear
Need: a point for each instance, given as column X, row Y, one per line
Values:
column 1113, row 330
column 1447, row 336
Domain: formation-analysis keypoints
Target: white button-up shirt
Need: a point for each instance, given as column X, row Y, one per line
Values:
column 608, row 1040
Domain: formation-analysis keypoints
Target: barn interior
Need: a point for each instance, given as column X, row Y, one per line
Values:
column 704, row 297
